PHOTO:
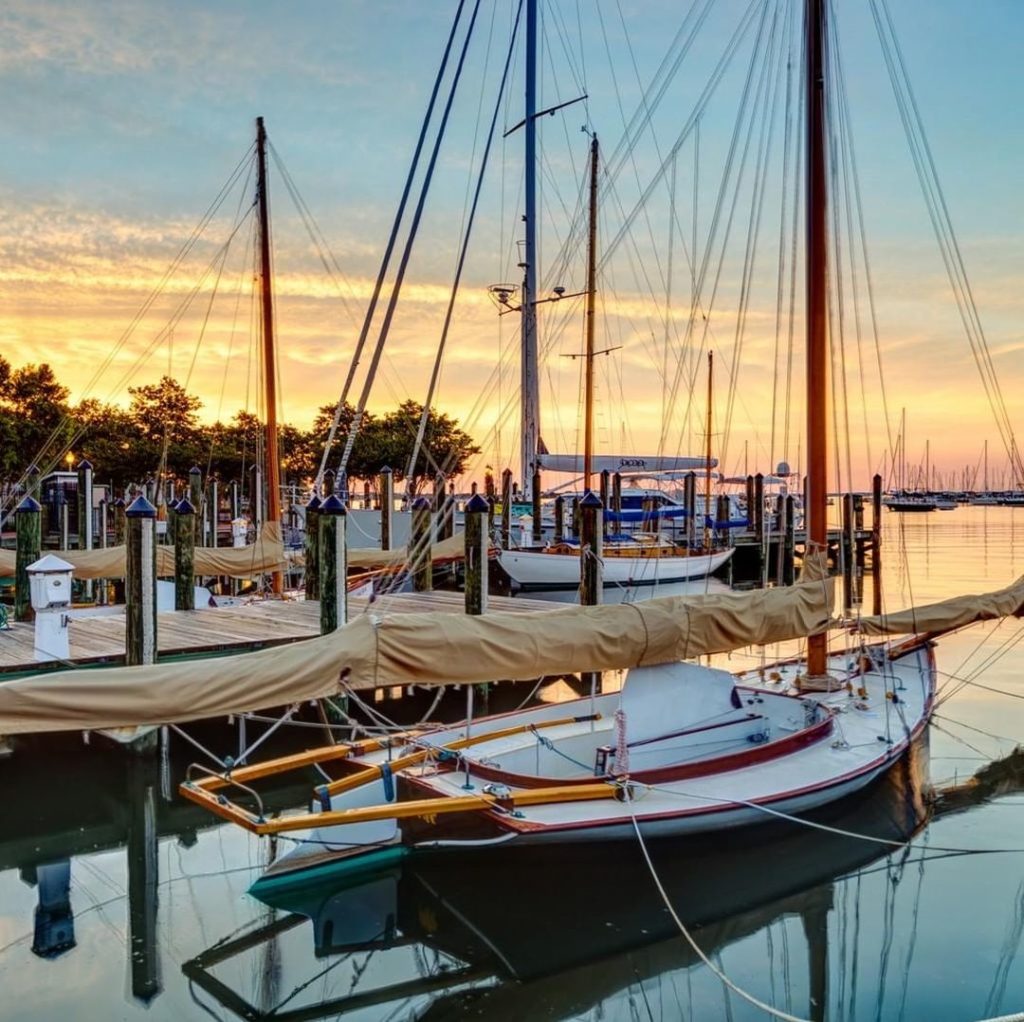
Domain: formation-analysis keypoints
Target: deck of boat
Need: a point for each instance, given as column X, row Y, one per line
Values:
column 261, row 623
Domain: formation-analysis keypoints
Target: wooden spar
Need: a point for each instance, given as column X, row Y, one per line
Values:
column 817, row 308
column 707, row 456
column 373, row 772
column 588, row 403
column 269, row 356
column 428, row 807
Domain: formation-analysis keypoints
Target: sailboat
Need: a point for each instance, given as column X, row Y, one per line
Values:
column 681, row 749
column 636, row 559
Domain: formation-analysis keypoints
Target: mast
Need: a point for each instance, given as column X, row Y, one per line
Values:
column 529, row 372
column 588, row 403
column 269, row 357
column 707, row 458
column 817, row 302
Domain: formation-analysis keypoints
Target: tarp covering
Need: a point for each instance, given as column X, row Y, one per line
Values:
column 949, row 614
column 263, row 556
column 428, row 648
column 452, row 548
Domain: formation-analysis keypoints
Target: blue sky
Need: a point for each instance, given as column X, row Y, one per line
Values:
column 121, row 121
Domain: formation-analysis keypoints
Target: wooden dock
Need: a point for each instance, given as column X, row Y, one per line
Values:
column 100, row 639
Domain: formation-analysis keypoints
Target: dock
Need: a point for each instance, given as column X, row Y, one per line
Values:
column 100, row 639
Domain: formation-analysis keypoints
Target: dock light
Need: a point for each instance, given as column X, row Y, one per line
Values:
column 70, row 459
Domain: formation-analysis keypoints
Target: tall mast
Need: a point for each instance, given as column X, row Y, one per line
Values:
column 269, row 358
column 707, row 456
column 817, row 300
column 588, row 403
column 529, row 373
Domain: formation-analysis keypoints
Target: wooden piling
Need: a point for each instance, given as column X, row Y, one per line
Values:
column 476, row 555
column 119, row 522
column 506, row 509
column 690, row 507
column 332, row 523
column 876, row 545
column 140, row 583
column 29, row 538
column 85, row 530
column 789, row 543
column 312, row 548
column 447, row 523
column 605, row 494
column 184, row 555
column 195, row 498
column 559, row 518
column 387, row 506
column 750, row 500
column 722, row 518
column 757, row 519
column 650, row 515
column 420, row 551
column 846, row 547
column 328, row 483
column 535, row 527
column 591, row 568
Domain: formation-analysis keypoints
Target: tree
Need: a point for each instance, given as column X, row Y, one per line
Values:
column 33, row 417
column 164, row 414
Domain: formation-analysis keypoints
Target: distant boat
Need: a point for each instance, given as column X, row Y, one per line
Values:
column 907, row 502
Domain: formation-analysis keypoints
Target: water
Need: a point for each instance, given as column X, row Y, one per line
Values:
column 816, row 924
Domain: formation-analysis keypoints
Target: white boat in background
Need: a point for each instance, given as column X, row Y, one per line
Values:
column 639, row 560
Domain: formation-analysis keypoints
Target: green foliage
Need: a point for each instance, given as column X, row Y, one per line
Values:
column 161, row 432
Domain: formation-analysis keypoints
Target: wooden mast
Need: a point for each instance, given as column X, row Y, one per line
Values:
column 588, row 402
column 817, row 300
column 273, row 485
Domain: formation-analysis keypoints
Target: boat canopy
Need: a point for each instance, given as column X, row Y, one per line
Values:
column 265, row 555
column 625, row 464
column 947, row 615
column 426, row 648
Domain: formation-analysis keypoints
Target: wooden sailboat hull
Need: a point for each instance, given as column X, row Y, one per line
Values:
column 533, row 569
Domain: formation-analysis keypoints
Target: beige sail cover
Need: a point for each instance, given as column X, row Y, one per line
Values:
column 428, row 648
column 265, row 555
column 947, row 615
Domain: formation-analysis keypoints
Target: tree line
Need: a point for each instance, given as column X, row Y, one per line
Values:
column 160, row 431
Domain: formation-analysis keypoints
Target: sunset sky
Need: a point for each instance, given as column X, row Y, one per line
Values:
column 122, row 120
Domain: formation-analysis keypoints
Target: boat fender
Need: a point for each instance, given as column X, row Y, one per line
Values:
column 388, row 780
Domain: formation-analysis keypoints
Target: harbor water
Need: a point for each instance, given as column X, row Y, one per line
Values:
column 120, row 901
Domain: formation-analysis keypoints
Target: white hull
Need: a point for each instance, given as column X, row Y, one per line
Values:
column 808, row 753
column 535, row 569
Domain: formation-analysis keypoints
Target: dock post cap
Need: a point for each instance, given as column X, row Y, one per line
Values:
column 29, row 504
column 184, row 507
column 477, row 505
column 332, row 506
column 591, row 499
column 140, row 508
column 314, row 503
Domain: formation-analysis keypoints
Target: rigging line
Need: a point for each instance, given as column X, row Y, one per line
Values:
column 754, row 223
column 407, row 251
column 947, row 219
column 731, row 182
column 385, row 260
column 978, row 730
column 942, row 226
column 728, row 983
column 435, row 371
column 316, row 235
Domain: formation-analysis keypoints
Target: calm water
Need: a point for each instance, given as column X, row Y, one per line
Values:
column 818, row 925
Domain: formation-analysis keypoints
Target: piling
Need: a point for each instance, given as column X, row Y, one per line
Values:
column 876, row 545
column 65, row 533
column 119, row 522
column 506, row 509
column 447, row 523
column 172, row 506
column 420, row 552
column 757, row 519
column 328, row 483
column 789, row 543
column 195, row 498
column 29, row 538
column 750, row 500
column 85, row 531
column 617, row 494
column 559, row 518
column 722, row 518
column 332, row 521
column 33, row 482
column 591, row 567
column 690, row 507
column 439, row 491
column 184, row 555
column 387, row 506
column 846, row 547
column 476, row 555
column 605, row 495
column 235, row 498
column 650, row 515
column 312, row 548
column 140, row 583
column 366, row 494
column 535, row 530
column 212, row 513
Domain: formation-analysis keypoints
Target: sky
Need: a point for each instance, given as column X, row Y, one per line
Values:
column 121, row 121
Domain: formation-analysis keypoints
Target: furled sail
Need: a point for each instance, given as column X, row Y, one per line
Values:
column 947, row 615
column 265, row 555
column 624, row 463
column 429, row 648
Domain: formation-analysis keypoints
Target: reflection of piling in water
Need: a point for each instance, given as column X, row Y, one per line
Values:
column 143, row 875
column 54, row 930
